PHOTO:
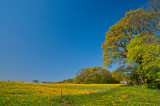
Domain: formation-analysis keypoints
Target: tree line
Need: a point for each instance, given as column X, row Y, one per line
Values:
column 96, row 75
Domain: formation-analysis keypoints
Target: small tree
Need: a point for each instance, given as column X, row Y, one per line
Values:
column 36, row 81
column 93, row 75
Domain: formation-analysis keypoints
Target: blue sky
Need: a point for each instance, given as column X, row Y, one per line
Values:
column 51, row 40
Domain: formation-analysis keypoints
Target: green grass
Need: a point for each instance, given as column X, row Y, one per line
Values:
column 13, row 93
column 122, row 95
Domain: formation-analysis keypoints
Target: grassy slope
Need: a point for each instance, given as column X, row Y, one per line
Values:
column 122, row 95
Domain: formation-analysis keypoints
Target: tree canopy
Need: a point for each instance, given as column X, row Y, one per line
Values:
column 134, row 43
column 145, row 51
column 93, row 75
column 119, row 35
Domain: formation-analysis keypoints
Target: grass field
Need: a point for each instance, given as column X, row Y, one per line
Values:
column 19, row 93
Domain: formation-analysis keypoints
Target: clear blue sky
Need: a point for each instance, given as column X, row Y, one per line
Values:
column 51, row 40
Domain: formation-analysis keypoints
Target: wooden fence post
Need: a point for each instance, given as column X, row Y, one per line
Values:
column 61, row 93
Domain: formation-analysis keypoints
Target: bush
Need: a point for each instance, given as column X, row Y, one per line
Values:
column 36, row 81
column 154, row 85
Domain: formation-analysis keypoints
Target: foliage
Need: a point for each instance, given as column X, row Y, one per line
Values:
column 145, row 51
column 154, row 85
column 153, row 5
column 36, row 81
column 119, row 35
column 93, row 75
column 49, row 82
column 134, row 40
column 66, row 81
column 119, row 76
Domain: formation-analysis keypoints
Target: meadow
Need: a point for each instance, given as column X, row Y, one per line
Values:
column 22, row 93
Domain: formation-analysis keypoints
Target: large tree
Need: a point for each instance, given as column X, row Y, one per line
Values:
column 153, row 6
column 119, row 35
column 145, row 52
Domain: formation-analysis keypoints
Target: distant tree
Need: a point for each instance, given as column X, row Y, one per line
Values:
column 36, row 81
column 121, row 74
column 118, row 76
column 49, row 82
column 93, row 75
column 81, row 75
column 66, row 81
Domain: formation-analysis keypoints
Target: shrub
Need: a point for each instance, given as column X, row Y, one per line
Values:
column 35, row 81
column 154, row 85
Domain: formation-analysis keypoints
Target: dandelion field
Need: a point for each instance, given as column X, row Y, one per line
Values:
column 20, row 93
